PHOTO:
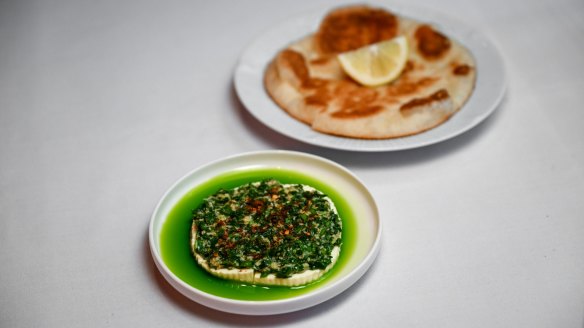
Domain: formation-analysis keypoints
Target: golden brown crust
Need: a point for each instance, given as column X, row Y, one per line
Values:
column 349, row 28
column 431, row 43
column 462, row 69
column 437, row 96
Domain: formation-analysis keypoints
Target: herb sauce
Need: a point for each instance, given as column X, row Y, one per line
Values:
column 269, row 227
column 175, row 235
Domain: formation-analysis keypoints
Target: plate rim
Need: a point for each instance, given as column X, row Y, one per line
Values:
column 267, row 307
column 469, row 35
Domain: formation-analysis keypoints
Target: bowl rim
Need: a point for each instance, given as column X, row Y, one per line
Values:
column 251, row 307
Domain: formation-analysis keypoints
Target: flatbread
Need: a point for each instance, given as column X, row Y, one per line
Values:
column 307, row 81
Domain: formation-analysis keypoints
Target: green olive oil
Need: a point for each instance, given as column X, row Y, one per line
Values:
column 175, row 237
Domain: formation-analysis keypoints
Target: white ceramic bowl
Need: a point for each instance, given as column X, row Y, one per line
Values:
column 361, row 203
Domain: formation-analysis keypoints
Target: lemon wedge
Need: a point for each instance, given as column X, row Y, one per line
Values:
column 378, row 63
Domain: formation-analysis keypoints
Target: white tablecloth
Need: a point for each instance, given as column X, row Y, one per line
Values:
column 104, row 104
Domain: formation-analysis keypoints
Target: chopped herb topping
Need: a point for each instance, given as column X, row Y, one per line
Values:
column 267, row 226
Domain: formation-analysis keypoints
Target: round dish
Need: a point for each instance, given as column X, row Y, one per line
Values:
column 489, row 88
column 341, row 182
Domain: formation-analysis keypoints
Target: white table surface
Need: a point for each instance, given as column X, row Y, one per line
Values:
column 104, row 104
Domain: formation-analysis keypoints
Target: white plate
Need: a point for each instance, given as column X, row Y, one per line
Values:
column 359, row 256
column 489, row 90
